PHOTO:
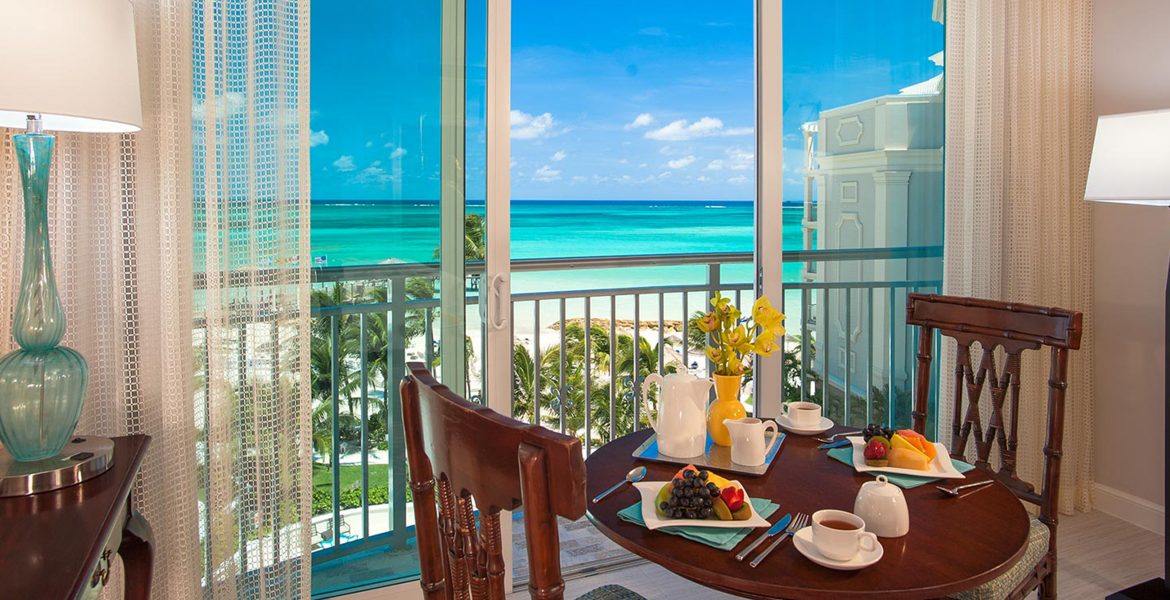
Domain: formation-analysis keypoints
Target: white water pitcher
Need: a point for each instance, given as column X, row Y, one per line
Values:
column 681, row 423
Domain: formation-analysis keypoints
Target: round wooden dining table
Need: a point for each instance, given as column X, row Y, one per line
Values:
column 954, row 543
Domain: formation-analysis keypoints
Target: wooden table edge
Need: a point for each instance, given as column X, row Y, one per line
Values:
column 139, row 443
column 679, row 568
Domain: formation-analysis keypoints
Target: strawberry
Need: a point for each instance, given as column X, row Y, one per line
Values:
column 733, row 497
column 875, row 450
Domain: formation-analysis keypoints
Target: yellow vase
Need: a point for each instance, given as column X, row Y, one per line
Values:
column 725, row 406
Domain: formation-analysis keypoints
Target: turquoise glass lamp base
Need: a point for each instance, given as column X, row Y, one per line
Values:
column 41, row 394
column 42, row 385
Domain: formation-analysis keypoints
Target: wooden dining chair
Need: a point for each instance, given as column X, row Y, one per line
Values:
column 1014, row 328
column 466, row 458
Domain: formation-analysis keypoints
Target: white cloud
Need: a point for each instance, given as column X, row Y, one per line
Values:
column 715, row 165
column 546, row 173
column 398, row 153
column 739, row 159
column 529, row 127
column 653, row 31
column 681, row 130
column 370, row 144
column 679, row 163
column 373, row 174
column 623, row 161
column 388, row 145
column 512, row 163
column 558, row 156
column 643, row 165
column 344, row 163
column 737, row 179
column 318, row 138
column 641, row 120
column 665, row 150
column 578, row 178
column 703, row 178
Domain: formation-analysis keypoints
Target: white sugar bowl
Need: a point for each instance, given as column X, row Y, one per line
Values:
column 883, row 508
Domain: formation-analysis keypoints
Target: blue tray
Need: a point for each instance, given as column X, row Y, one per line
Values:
column 715, row 457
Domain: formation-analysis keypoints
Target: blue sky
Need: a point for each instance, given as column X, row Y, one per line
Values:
column 608, row 102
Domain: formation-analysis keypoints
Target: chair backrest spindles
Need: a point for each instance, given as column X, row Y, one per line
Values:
column 1010, row 329
column 464, row 457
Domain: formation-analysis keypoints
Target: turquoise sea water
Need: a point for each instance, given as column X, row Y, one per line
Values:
column 363, row 233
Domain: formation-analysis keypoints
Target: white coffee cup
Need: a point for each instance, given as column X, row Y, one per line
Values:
column 838, row 535
column 803, row 414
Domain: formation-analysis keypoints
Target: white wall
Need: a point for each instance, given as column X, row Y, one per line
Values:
column 1131, row 72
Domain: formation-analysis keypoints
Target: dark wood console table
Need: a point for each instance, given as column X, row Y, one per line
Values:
column 59, row 544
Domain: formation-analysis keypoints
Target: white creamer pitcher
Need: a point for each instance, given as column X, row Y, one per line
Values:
column 749, row 440
column 681, row 423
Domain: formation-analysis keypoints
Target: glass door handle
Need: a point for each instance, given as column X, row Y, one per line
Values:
column 496, row 287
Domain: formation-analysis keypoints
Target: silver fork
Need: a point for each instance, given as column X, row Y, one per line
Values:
column 799, row 522
column 833, row 438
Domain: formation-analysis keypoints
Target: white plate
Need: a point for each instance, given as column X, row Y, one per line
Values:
column 804, row 544
column 649, row 491
column 940, row 468
column 825, row 425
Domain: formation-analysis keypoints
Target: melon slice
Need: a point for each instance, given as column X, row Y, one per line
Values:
column 905, row 443
column 908, row 458
column 919, row 441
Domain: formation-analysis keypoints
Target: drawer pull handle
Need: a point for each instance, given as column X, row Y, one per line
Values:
column 102, row 574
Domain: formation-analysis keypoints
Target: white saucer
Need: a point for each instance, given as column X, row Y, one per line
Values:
column 804, row 544
column 825, row 425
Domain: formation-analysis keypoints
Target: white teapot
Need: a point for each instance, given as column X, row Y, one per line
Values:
column 681, row 424
column 883, row 508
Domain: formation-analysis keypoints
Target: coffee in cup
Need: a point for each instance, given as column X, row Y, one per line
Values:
column 839, row 535
column 805, row 415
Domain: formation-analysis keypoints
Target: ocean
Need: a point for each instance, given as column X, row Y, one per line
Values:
column 363, row 233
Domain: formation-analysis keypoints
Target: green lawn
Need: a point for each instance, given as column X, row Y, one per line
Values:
column 351, row 476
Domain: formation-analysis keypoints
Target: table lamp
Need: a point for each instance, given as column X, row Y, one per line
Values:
column 1131, row 165
column 70, row 65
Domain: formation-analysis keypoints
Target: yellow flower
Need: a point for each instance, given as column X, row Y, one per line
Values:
column 714, row 354
column 765, row 347
column 719, row 303
column 737, row 337
column 708, row 323
column 760, row 306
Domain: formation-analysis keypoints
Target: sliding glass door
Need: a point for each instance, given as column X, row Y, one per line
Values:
column 408, row 264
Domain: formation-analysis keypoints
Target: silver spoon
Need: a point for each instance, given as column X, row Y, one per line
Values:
column 957, row 490
column 636, row 474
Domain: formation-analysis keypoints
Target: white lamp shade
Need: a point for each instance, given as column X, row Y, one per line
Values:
column 1131, row 159
column 72, row 61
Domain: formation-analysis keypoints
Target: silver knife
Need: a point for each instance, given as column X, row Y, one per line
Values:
column 773, row 530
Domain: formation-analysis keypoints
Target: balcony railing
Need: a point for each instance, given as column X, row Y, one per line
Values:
column 848, row 348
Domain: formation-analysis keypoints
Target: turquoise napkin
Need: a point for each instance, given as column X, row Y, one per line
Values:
column 845, row 455
column 723, row 539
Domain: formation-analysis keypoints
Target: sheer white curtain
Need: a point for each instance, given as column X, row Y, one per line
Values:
column 178, row 252
column 1019, row 134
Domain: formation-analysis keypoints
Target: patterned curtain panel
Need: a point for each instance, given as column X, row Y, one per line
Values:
column 250, row 65
column 1019, row 135
column 201, row 218
column 120, row 221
